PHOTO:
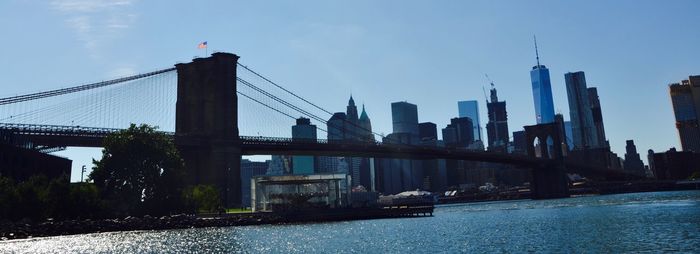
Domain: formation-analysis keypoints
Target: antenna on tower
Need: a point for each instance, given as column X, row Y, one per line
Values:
column 537, row 54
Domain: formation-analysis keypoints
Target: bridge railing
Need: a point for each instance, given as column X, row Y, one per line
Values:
column 55, row 130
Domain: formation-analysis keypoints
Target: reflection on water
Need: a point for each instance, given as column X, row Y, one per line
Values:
column 641, row 222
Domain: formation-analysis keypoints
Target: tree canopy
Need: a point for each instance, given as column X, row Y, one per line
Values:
column 140, row 172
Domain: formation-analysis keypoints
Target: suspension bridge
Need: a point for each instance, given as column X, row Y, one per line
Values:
column 198, row 105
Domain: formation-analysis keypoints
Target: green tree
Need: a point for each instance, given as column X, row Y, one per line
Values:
column 140, row 172
column 203, row 198
column 9, row 198
column 32, row 197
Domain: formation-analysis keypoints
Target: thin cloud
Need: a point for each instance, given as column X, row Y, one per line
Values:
column 96, row 23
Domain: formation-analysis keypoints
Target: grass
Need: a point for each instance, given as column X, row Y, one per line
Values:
column 238, row 210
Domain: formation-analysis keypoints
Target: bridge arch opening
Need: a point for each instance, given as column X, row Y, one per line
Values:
column 550, row 147
column 537, row 144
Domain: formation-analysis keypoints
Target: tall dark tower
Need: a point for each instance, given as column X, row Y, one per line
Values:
column 352, row 130
column 497, row 127
column 206, row 123
column 597, row 113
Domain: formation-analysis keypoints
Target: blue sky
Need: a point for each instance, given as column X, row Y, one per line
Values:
column 431, row 53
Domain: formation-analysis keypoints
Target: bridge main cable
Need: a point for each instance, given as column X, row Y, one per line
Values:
column 40, row 95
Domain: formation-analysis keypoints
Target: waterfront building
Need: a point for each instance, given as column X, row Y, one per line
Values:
column 404, row 117
column 597, row 115
column 542, row 91
column 685, row 98
column 250, row 169
column 633, row 164
column 303, row 130
column 283, row 193
column 497, row 127
column 471, row 109
column 584, row 133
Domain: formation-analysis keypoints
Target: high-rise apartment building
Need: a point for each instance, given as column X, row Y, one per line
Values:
column 597, row 114
column 685, row 98
column 471, row 109
column 584, row 132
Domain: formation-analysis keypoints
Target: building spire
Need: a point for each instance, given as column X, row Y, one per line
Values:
column 537, row 54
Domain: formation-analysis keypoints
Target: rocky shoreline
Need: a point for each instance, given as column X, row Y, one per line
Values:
column 22, row 230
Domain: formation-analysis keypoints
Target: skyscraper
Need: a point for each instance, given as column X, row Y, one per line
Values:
column 352, row 126
column 633, row 163
column 249, row 169
column 458, row 133
column 584, row 132
column 568, row 131
column 404, row 117
column 497, row 127
column 336, row 127
column 542, row 91
column 303, row 130
column 685, row 98
column 427, row 131
column 471, row 109
column 597, row 113
column 366, row 177
column 365, row 126
column 519, row 142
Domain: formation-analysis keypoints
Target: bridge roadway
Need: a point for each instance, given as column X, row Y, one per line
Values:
column 78, row 136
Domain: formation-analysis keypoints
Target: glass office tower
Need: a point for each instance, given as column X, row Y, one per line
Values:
column 471, row 109
column 542, row 91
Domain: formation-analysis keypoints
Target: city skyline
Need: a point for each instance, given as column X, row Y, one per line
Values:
column 432, row 62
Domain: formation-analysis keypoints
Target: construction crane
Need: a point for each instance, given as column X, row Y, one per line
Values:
column 492, row 86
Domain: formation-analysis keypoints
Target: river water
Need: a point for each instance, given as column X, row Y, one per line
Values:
column 639, row 222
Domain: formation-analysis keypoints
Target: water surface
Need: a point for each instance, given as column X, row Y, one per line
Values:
column 640, row 222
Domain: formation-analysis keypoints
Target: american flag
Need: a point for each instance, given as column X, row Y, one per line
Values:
column 202, row 45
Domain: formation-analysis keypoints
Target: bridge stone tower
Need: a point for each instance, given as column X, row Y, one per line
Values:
column 549, row 180
column 206, row 123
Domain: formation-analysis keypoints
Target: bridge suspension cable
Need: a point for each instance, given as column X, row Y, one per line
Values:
column 46, row 94
column 296, row 108
column 272, row 108
column 284, row 89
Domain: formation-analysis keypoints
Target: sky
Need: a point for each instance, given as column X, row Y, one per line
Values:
column 430, row 53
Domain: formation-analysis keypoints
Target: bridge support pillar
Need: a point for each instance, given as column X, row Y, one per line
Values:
column 549, row 182
column 546, row 141
column 206, row 124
